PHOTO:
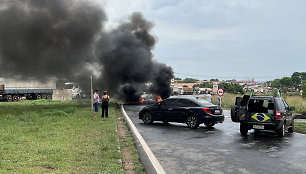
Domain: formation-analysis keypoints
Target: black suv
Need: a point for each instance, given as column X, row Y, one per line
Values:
column 190, row 110
column 263, row 113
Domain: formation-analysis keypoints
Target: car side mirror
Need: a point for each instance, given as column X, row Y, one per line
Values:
column 291, row 108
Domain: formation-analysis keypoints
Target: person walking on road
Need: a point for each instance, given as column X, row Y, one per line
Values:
column 96, row 101
column 105, row 100
column 208, row 97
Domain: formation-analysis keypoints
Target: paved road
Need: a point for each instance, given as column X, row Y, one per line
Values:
column 221, row 149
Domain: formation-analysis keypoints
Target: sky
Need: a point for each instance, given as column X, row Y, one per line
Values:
column 224, row 39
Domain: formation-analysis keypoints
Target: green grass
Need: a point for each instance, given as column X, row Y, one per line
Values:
column 300, row 127
column 58, row 137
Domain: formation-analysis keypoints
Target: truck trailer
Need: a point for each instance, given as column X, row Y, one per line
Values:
column 14, row 90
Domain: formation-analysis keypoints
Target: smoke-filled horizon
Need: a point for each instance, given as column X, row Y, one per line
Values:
column 65, row 39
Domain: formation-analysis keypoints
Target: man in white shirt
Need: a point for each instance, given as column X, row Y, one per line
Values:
column 96, row 101
column 208, row 97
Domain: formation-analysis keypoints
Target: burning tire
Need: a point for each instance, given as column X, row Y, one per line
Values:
column 192, row 122
column 147, row 118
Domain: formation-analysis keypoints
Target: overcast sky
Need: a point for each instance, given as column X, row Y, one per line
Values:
column 224, row 39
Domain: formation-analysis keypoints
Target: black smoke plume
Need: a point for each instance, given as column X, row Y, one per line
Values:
column 65, row 39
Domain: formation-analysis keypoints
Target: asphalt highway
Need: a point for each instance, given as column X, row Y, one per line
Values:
column 221, row 149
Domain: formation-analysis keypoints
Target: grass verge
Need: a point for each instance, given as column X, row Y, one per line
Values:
column 300, row 127
column 58, row 137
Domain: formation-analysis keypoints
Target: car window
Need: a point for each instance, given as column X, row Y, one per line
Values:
column 280, row 105
column 169, row 102
column 186, row 103
column 286, row 105
column 204, row 102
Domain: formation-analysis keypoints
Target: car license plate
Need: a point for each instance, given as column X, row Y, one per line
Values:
column 217, row 111
column 258, row 127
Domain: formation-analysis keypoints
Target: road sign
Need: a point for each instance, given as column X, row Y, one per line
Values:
column 220, row 92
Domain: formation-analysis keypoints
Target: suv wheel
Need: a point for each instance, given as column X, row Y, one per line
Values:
column 291, row 129
column 192, row 122
column 243, row 129
column 147, row 118
column 281, row 131
column 209, row 124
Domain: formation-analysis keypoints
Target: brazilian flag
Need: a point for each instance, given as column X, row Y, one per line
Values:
column 260, row 117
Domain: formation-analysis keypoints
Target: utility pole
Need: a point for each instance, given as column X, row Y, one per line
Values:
column 91, row 91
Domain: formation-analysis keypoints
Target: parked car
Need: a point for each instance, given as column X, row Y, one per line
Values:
column 263, row 113
column 190, row 110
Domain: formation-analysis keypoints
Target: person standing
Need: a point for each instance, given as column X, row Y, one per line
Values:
column 219, row 100
column 208, row 97
column 105, row 100
column 96, row 101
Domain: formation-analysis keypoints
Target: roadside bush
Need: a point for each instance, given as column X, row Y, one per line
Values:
column 304, row 90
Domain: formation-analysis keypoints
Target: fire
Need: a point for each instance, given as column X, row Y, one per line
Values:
column 158, row 99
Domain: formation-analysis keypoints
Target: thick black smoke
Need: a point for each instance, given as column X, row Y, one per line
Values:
column 127, row 60
column 63, row 38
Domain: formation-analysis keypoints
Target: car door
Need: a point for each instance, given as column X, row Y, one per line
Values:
column 243, row 112
column 183, row 109
column 166, row 110
column 288, row 114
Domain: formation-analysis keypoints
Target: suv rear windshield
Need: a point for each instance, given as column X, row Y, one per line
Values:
column 261, row 105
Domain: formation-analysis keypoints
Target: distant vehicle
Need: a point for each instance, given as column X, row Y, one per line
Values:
column 74, row 89
column 263, row 113
column 14, row 90
column 190, row 110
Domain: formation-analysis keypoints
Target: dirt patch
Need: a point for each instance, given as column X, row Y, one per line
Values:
column 125, row 150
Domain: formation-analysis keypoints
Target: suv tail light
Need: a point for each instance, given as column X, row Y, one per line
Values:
column 278, row 115
column 207, row 110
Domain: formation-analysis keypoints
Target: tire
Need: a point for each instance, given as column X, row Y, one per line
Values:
column 49, row 97
column 44, row 97
column 9, row 98
column 38, row 97
column 192, row 122
column 165, row 122
column 291, row 129
column 243, row 130
column 281, row 132
column 147, row 118
column 256, row 132
column 15, row 98
column 209, row 125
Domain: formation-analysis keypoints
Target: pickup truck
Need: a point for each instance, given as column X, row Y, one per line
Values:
column 263, row 113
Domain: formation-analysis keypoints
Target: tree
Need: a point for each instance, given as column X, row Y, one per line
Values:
column 296, row 78
column 276, row 83
column 214, row 80
column 177, row 78
column 231, row 88
column 286, row 82
column 204, row 85
column 189, row 80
